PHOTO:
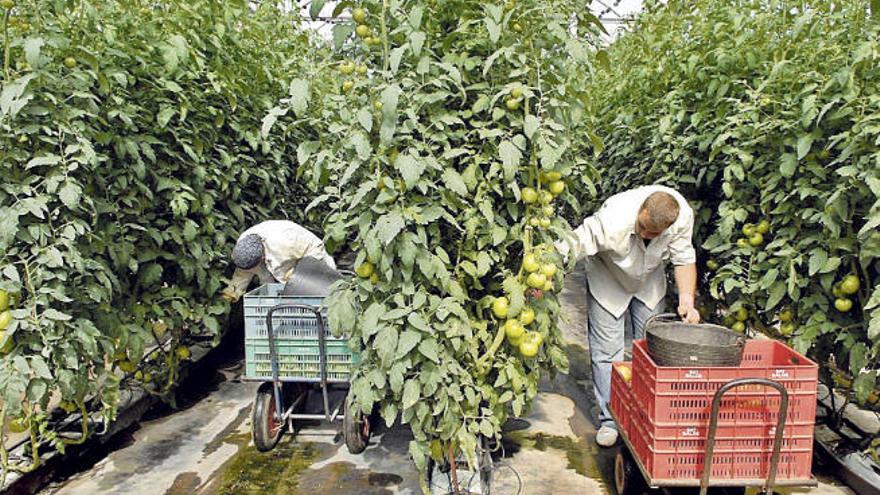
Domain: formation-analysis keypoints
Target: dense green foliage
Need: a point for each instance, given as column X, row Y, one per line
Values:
column 131, row 158
column 443, row 114
column 762, row 110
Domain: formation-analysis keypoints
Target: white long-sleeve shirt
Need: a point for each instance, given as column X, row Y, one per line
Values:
column 620, row 266
column 285, row 243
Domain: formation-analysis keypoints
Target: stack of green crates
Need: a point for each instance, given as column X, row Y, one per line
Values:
column 296, row 339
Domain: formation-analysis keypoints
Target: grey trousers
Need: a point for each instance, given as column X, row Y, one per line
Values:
column 606, row 337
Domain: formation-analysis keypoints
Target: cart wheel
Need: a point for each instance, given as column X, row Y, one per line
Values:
column 355, row 429
column 267, row 429
column 627, row 478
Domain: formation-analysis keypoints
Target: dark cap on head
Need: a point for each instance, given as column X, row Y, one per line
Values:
column 248, row 252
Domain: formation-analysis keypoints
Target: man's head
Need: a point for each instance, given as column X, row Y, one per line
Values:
column 248, row 252
column 657, row 213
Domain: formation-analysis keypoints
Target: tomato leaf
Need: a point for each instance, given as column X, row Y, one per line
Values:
column 408, row 341
column 864, row 384
column 315, row 8
column 410, row 168
column 429, row 349
column 511, row 157
column 299, row 96
column 454, row 182
column 69, row 194
column 411, row 393
column 530, row 125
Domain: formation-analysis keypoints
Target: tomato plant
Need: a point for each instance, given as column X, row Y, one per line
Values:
column 761, row 114
column 429, row 190
column 131, row 158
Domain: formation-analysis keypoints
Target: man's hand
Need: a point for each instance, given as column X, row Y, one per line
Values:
column 686, row 309
column 229, row 295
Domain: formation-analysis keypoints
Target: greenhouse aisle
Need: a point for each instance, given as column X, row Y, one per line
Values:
column 205, row 448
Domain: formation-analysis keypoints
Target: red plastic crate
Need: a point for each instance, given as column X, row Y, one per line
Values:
column 728, row 438
column 742, row 464
column 665, row 415
column 682, row 396
column 621, row 397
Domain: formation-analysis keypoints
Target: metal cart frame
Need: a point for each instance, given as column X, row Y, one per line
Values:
column 271, row 413
column 623, row 460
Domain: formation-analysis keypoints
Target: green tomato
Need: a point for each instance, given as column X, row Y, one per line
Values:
column 516, row 92
column 18, row 425
column 515, row 342
column 127, row 366
column 786, row 315
column 536, row 280
column 527, row 316
column 529, row 195
column 365, row 270
column 182, row 352
column 511, row 104
column 500, row 307
column 756, row 239
column 843, row 304
column 513, row 329
column 528, row 349
column 359, row 15
column 551, row 176
column 849, row 285
column 742, row 314
column 556, row 187
column 70, row 62
column 363, row 31
column 7, row 4
column 742, row 243
column 739, row 327
column 5, row 320
column 549, row 270
column 8, row 346
column 545, row 222
column 763, row 227
column 546, row 197
column 787, row 329
column 347, row 85
column 712, row 265
column 748, row 229
column 530, row 263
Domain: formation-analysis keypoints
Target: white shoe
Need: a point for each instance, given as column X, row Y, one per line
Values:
column 606, row 436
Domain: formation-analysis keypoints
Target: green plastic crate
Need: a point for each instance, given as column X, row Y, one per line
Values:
column 296, row 339
column 299, row 359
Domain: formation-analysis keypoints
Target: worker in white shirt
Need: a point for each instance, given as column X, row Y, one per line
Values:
column 628, row 243
column 270, row 251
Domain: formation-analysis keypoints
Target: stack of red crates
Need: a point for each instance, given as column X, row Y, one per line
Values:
column 665, row 413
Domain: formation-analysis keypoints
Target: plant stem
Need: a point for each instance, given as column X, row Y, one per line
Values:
column 386, row 61
column 6, row 45
column 453, row 471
